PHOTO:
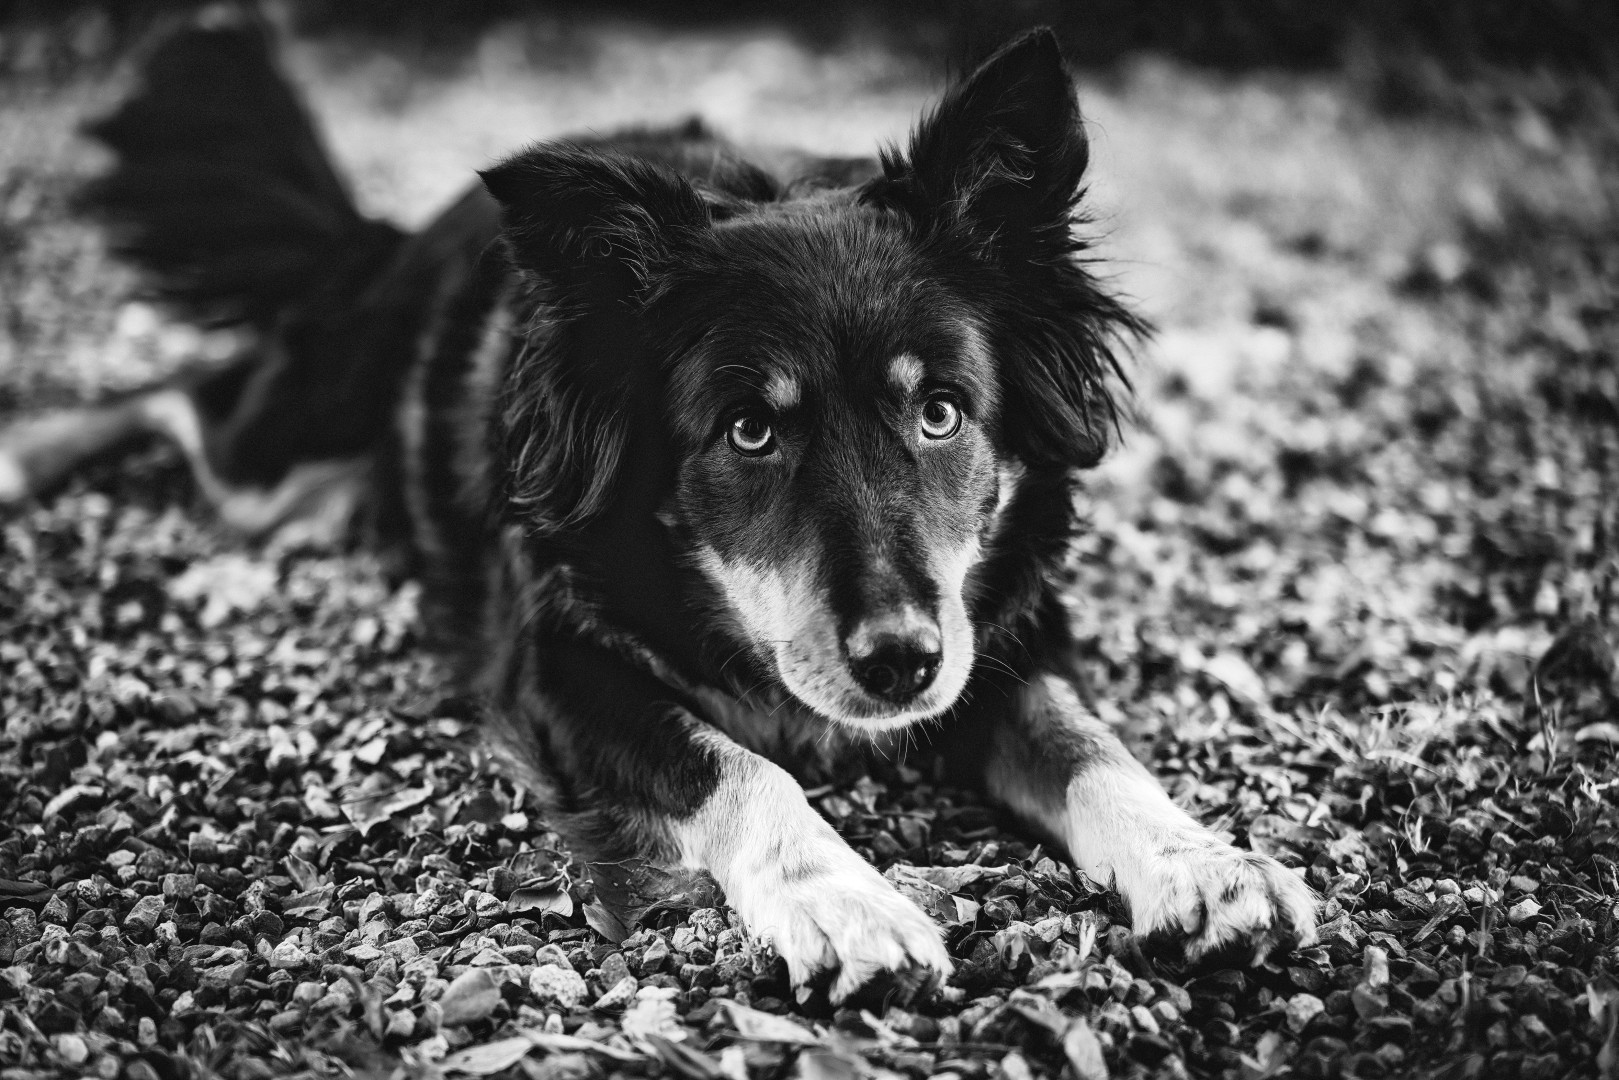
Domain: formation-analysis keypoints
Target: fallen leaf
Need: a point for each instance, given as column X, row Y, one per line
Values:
column 553, row 900
column 488, row 1059
column 556, row 1042
column 309, row 904
column 693, row 1064
column 767, row 1027
column 605, row 923
column 370, row 809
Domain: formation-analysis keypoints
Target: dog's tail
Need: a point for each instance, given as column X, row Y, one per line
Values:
column 222, row 191
column 223, row 195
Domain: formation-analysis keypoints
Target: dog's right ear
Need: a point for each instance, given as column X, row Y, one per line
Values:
column 589, row 232
column 574, row 218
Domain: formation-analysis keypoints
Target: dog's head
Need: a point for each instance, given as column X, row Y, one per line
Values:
column 846, row 388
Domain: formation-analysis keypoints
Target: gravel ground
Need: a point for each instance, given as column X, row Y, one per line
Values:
column 1350, row 588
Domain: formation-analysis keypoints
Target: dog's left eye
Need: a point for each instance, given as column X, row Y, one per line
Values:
column 941, row 417
column 751, row 436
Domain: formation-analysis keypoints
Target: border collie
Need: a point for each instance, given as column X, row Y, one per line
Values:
column 717, row 478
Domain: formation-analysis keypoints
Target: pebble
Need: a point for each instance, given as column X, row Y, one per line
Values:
column 143, row 917
column 1301, row 1009
column 288, row 955
column 1523, row 910
column 618, row 995
column 554, row 983
column 71, row 1049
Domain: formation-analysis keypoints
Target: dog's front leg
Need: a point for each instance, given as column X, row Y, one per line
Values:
column 1056, row 764
column 637, row 778
column 798, row 885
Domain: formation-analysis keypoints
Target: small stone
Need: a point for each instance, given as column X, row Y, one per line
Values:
column 1369, row 1002
column 1144, row 1019
column 363, row 953
column 1375, row 967
column 179, row 886
column 288, row 955
column 143, row 917
column 1523, row 910
column 70, row 1048
column 471, row 997
column 656, row 953
column 225, row 976
column 614, row 969
column 401, row 1022
column 307, row 993
column 404, row 949
column 553, row 983
column 1301, row 1009
column 618, row 995
column 57, row 910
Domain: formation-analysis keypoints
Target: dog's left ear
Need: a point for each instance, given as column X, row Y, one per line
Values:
column 998, row 168
column 1002, row 156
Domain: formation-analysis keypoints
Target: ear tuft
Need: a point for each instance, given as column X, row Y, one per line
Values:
column 572, row 215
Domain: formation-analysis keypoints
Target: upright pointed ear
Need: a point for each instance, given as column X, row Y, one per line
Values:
column 579, row 219
column 1003, row 155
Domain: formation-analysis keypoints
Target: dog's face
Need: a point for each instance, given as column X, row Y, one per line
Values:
column 836, row 424
column 847, row 386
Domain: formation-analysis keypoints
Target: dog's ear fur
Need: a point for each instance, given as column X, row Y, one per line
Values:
column 588, row 231
column 580, row 219
column 998, row 169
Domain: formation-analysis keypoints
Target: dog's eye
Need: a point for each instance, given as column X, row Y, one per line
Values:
column 750, row 435
column 941, row 417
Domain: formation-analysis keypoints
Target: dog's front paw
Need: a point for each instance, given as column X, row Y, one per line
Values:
column 1219, row 899
column 841, row 918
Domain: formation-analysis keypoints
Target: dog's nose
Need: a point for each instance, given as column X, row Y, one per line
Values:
column 895, row 658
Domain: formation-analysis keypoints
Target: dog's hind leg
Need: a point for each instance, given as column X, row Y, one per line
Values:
column 312, row 503
column 38, row 454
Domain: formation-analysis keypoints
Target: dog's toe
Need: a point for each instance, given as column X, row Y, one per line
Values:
column 847, row 924
column 1222, row 901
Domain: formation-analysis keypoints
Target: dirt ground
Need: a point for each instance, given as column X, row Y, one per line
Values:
column 1350, row 587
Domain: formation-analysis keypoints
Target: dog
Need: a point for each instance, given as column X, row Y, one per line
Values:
column 717, row 478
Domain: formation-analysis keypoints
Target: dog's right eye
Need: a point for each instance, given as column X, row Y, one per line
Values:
column 750, row 435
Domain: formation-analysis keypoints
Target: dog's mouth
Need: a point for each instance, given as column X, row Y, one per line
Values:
column 892, row 667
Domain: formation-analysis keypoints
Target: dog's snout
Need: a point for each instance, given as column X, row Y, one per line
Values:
column 895, row 657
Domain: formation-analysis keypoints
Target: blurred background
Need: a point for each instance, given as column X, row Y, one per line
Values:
column 1377, row 239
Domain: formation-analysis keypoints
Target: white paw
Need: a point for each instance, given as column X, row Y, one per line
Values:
column 835, row 913
column 1219, row 898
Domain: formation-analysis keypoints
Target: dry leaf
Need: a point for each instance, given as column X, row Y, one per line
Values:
column 488, row 1059
column 554, row 900
column 767, row 1027
column 368, row 809
column 556, row 1042
column 605, row 923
